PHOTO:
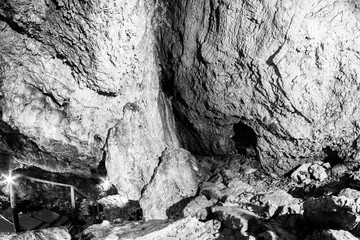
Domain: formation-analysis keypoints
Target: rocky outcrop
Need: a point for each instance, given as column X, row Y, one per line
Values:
column 176, row 179
column 279, row 76
column 80, row 80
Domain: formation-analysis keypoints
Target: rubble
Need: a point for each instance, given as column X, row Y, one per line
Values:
column 308, row 171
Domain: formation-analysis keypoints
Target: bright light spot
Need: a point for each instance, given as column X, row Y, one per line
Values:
column 105, row 184
column 9, row 179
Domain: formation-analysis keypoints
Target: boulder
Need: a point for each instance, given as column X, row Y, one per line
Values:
column 350, row 193
column 176, row 178
column 281, row 202
column 311, row 171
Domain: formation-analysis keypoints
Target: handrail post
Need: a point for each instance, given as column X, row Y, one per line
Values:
column 72, row 193
column 12, row 194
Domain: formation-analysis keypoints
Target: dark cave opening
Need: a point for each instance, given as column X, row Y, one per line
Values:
column 244, row 138
column 332, row 156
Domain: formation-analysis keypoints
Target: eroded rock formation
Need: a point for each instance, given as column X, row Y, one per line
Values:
column 80, row 81
column 280, row 76
column 84, row 83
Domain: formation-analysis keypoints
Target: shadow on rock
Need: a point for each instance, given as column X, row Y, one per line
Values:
column 175, row 211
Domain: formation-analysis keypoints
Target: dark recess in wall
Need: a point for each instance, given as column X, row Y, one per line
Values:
column 167, row 77
column 244, row 138
column 332, row 156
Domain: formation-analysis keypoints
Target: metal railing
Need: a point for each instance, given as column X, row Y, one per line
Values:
column 13, row 194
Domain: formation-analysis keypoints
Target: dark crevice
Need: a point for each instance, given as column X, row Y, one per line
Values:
column 244, row 138
column 217, row 18
column 175, row 211
column 332, row 156
column 189, row 136
column 106, row 94
column 48, row 95
column 13, row 25
column 152, row 177
column 271, row 63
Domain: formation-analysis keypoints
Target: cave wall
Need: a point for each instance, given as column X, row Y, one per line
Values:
column 286, row 70
column 85, row 82
column 80, row 80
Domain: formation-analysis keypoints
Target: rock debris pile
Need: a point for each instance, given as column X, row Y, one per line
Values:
column 229, row 205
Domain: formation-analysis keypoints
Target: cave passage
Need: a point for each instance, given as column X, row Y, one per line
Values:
column 244, row 138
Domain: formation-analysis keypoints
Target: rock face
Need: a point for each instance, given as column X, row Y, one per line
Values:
column 280, row 76
column 176, row 178
column 80, row 80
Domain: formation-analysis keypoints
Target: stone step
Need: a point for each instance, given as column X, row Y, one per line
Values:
column 6, row 225
column 40, row 219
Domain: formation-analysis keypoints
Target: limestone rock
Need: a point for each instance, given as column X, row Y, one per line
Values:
column 43, row 234
column 332, row 235
column 332, row 212
column 198, row 207
column 186, row 229
column 350, row 193
column 235, row 218
column 355, row 180
column 213, row 189
column 177, row 177
column 278, row 76
column 309, row 171
column 80, row 81
column 281, row 202
column 276, row 234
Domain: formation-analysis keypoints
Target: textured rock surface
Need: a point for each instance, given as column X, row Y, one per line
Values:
column 332, row 235
column 310, row 171
column 280, row 75
column 199, row 207
column 177, row 177
column 235, row 218
column 281, row 202
column 43, row 234
column 333, row 212
column 187, row 228
column 80, row 80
